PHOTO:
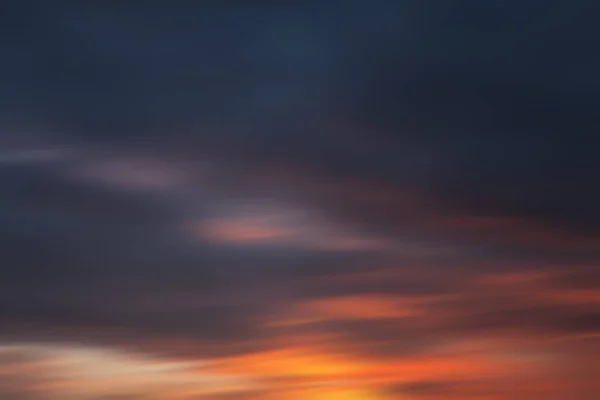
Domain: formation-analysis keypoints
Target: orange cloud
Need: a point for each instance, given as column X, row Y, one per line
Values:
column 362, row 307
column 301, row 359
column 246, row 231
column 272, row 225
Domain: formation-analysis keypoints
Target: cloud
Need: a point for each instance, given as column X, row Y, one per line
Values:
column 97, row 373
column 400, row 193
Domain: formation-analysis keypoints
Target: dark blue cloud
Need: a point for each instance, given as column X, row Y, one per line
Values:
column 470, row 109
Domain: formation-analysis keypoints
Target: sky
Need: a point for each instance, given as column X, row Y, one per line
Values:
column 290, row 200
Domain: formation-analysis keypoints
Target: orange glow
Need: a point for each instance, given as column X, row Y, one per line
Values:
column 302, row 360
column 363, row 307
column 286, row 228
column 246, row 231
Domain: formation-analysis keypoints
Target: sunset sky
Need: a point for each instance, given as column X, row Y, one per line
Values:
column 299, row 200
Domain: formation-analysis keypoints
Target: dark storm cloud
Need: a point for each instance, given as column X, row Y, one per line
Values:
column 487, row 94
column 115, row 71
column 498, row 92
column 78, row 253
column 81, row 252
column 47, row 217
column 465, row 125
